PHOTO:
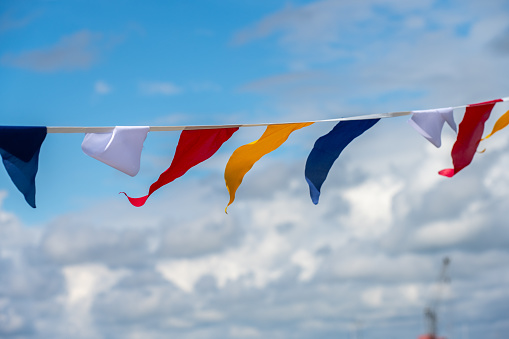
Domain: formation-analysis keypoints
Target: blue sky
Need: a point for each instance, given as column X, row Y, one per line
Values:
column 86, row 264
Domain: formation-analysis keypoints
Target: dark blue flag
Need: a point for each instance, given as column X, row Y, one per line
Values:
column 19, row 147
column 328, row 148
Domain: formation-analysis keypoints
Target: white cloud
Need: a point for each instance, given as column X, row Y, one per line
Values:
column 244, row 332
column 307, row 262
column 102, row 87
column 75, row 51
column 373, row 296
column 291, row 260
column 159, row 88
column 83, row 284
column 371, row 203
column 353, row 55
column 278, row 266
column 10, row 321
column 180, row 265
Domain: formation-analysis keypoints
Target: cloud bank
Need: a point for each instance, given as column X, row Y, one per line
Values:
column 277, row 266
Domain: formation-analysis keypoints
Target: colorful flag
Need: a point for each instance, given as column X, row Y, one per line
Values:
column 501, row 123
column 120, row 148
column 469, row 136
column 429, row 123
column 20, row 147
column 328, row 148
column 244, row 157
column 194, row 147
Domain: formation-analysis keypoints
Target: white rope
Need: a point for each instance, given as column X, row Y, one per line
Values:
column 181, row 128
column 195, row 127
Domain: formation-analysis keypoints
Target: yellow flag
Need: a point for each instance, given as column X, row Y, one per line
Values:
column 244, row 157
column 501, row 123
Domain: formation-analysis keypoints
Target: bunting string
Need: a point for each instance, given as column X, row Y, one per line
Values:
column 121, row 146
column 92, row 129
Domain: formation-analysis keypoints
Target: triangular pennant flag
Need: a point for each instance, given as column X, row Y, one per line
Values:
column 328, row 148
column 20, row 147
column 429, row 123
column 244, row 157
column 120, row 148
column 501, row 123
column 469, row 135
column 194, row 147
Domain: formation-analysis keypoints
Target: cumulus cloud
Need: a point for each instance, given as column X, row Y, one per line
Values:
column 82, row 243
column 277, row 266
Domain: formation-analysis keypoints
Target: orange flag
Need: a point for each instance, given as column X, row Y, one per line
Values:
column 244, row 157
column 501, row 123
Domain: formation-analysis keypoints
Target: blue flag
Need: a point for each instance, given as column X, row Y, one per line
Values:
column 19, row 148
column 328, row 148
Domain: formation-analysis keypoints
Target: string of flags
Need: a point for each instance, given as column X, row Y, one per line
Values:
column 120, row 147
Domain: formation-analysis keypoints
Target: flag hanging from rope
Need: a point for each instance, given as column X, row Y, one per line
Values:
column 328, row 148
column 120, row 148
column 469, row 135
column 429, row 123
column 20, row 147
column 244, row 157
column 194, row 147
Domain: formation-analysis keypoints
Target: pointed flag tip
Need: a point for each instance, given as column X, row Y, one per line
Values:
column 226, row 208
column 136, row 202
column 314, row 193
column 448, row 172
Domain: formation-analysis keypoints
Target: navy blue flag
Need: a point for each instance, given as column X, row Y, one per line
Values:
column 19, row 147
column 328, row 148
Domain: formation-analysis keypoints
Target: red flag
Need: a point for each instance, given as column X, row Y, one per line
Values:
column 469, row 135
column 194, row 147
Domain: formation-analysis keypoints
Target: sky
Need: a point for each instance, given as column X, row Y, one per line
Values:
column 363, row 263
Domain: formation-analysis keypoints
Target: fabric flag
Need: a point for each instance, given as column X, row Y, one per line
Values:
column 328, row 148
column 194, row 147
column 501, row 123
column 244, row 157
column 429, row 123
column 20, row 147
column 469, row 136
column 120, row 149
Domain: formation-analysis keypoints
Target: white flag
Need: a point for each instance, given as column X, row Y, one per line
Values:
column 429, row 123
column 120, row 149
